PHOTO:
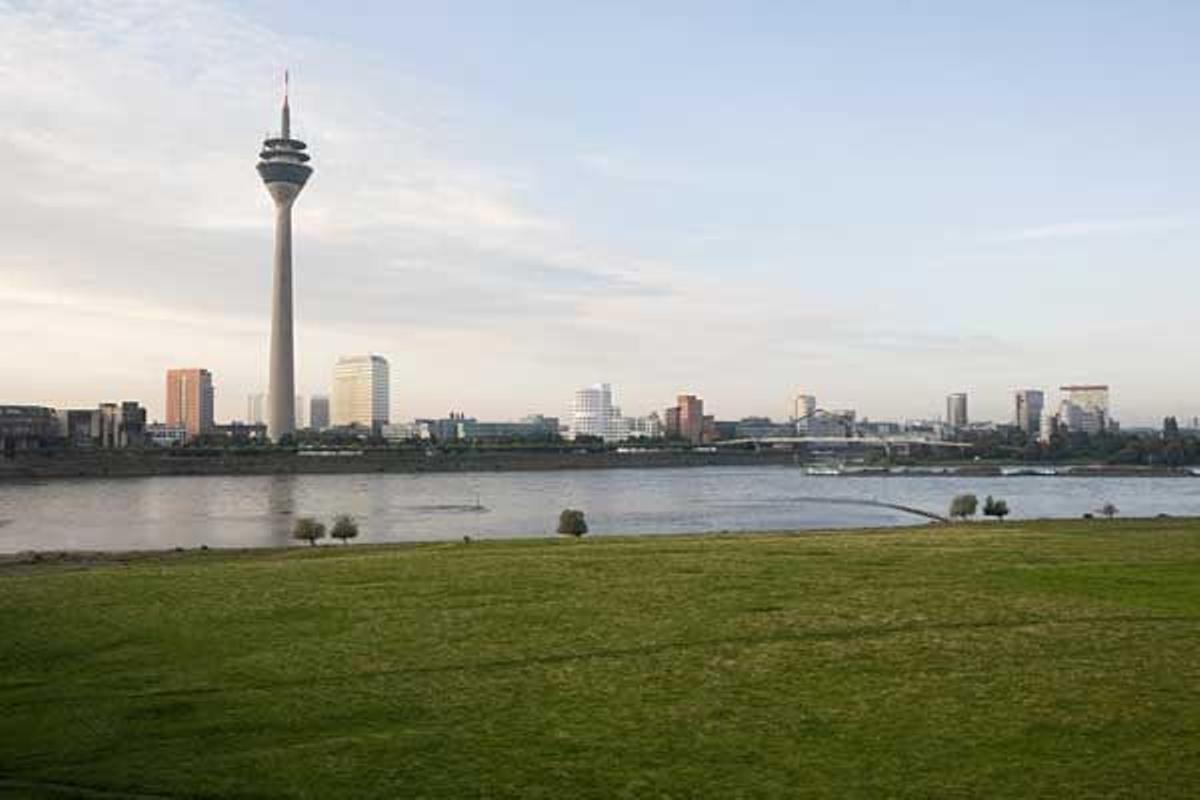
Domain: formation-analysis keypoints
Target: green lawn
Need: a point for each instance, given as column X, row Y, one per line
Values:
column 1023, row 660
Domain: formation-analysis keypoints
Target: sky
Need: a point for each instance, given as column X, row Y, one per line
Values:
column 875, row 203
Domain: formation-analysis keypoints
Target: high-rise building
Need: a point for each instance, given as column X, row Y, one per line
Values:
column 1084, row 408
column 956, row 410
column 318, row 412
column 1028, row 407
column 593, row 413
column 301, row 412
column 284, row 170
column 256, row 408
column 361, row 393
column 691, row 417
column 686, row 420
column 190, row 400
column 1089, row 397
column 802, row 405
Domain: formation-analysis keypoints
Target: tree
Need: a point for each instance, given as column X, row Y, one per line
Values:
column 309, row 530
column 1109, row 510
column 964, row 505
column 344, row 528
column 572, row 523
column 995, row 508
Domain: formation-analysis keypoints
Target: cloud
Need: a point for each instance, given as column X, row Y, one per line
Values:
column 138, row 237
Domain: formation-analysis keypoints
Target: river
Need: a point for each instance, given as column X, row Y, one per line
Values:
column 256, row 511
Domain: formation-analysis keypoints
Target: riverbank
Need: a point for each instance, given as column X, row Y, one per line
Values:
column 1045, row 659
column 250, row 461
column 184, row 461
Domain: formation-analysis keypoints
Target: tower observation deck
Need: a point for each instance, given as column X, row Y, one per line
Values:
column 283, row 166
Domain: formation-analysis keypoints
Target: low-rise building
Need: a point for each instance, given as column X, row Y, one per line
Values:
column 1081, row 419
column 116, row 426
column 239, row 431
column 27, row 428
column 827, row 424
column 647, row 427
column 161, row 434
column 109, row 426
column 75, row 425
column 420, row 430
column 762, row 428
column 459, row 427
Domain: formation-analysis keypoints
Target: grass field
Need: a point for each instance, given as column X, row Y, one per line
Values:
column 1022, row 660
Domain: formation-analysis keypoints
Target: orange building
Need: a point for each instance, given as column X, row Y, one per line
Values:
column 686, row 420
column 190, row 400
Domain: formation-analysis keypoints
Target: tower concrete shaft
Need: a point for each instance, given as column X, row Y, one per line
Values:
column 281, row 416
column 284, row 169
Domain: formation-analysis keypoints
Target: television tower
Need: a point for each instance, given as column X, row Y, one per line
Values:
column 282, row 165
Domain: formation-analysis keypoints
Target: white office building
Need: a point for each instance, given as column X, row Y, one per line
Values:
column 801, row 406
column 361, row 394
column 593, row 414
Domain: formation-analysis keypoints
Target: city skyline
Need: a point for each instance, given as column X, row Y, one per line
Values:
column 498, row 240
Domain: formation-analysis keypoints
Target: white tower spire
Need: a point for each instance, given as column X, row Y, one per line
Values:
column 284, row 169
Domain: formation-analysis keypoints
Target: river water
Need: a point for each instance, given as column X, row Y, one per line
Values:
column 255, row 511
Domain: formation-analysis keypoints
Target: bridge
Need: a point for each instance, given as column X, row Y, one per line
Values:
column 861, row 441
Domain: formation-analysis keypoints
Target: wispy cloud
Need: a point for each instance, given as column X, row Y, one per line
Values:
column 137, row 236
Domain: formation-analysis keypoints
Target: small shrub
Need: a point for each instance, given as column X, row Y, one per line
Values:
column 344, row 528
column 964, row 505
column 572, row 523
column 995, row 508
column 308, row 530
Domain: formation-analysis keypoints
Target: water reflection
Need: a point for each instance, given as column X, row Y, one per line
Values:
column 246, row 511
column 281, row 508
